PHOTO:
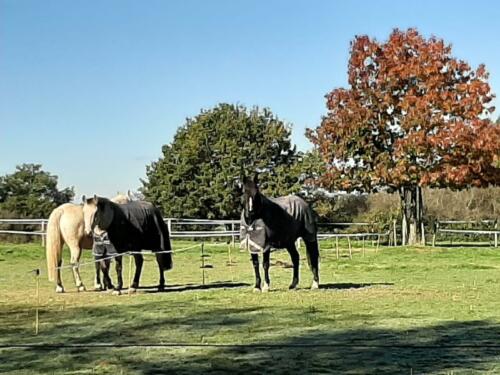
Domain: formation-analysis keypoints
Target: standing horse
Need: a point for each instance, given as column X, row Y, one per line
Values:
column 277, row 222
column 131, row 227
column 66, row 226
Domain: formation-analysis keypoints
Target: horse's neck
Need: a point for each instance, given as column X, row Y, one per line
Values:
column 117, row 215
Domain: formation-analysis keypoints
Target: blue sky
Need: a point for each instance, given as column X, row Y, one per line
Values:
column 93, row 89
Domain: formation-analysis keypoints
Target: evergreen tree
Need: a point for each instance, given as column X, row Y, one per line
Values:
column 31, row 192
column 197, row 176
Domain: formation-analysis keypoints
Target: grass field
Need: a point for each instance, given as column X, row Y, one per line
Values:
column 395, row 311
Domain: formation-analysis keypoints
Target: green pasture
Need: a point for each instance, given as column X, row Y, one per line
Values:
column 393, row 311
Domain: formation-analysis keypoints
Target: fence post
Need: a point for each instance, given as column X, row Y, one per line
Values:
column 169, row 226
column 337, row 245
column 233, row 236
column 496, row 234
column 37, row 319
column 350, row 248
column 203, row 262
column 395, row 232
column 42, row 229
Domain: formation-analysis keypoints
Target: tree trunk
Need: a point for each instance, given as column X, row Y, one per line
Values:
column 412, row 207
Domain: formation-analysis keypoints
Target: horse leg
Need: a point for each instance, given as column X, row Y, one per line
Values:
column 76, row 253
column 59, row 286
column 118, row 268
column 255, row 262
column 266, row 263
column 97, row 281
column 312, row 251
column 294, row 254
column 105, row 264
column 161, row 268
column 138, row 269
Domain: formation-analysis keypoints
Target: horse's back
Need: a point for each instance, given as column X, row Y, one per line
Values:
column 145, row 227
column 299, row 211
column 73, row 227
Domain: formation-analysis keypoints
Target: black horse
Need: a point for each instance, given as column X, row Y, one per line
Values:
column 277, row 222
column 131, row 227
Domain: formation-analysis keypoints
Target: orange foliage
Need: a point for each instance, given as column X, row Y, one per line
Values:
column 413, row 115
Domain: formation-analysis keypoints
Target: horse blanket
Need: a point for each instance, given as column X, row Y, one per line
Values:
column 137, row 226
column 282, row 221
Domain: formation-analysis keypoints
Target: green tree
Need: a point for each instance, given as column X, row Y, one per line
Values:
column 198, row 173
column 31, row 192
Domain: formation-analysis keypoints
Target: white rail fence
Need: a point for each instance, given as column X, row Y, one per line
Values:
column 214, row 229
column 204, row 228
column 475, row 228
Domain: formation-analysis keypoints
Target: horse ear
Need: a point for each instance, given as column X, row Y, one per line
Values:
column 256, row 179
column 96, row 199
column 84, row 199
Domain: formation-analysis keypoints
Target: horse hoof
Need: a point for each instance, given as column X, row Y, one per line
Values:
column 256, row 290
column 132, row 290
column 161, row 289
column 265, row 288
column 59, row 289
column 315, row 285
column 292, row 286
column 98, row 287
column 81, row 288
column 116, row 292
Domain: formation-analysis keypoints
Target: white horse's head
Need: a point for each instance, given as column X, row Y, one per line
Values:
column 97, row 214
column 122, row 198
column 89, row 212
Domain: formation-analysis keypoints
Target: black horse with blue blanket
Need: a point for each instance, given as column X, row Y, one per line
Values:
column 277, row 223
column 131, row 227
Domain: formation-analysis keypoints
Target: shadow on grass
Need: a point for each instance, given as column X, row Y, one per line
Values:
column 353, row 285
column 191, row 287
column 464, row 245
column 454, row 346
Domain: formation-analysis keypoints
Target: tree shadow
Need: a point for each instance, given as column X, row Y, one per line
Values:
column 469, row 346
column 465, row 245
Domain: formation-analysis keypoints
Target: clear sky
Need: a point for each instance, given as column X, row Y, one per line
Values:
column 93, row 89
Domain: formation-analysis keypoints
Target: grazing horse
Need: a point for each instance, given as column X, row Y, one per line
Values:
column 66, row 226
column 131, row 227
column 277, row 222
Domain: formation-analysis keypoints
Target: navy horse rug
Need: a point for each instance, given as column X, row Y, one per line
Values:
column 284, row 219
column 133, row 226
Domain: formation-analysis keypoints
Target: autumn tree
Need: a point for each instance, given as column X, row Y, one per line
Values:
column 412, row 116
column 197, row 175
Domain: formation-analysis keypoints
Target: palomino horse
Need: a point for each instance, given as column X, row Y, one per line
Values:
column 66, row 225
column 131, row 227
column 277, row 222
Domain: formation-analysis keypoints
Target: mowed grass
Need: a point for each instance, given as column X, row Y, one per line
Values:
column 391, row 311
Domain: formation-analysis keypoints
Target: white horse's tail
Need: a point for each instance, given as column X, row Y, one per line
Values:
column 54, row 243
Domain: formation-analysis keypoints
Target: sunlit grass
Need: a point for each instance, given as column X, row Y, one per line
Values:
column 393, row 296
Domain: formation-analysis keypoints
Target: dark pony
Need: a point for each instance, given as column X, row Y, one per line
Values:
column 277, row 223
column 133, row 226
